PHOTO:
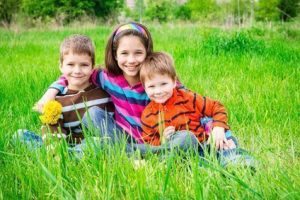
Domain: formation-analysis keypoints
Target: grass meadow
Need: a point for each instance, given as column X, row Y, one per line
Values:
column 254, row 72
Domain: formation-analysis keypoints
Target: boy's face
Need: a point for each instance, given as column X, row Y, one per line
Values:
column 77, row 68
column 160, row 87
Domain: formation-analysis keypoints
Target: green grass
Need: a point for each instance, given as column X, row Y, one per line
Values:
column 254, row 72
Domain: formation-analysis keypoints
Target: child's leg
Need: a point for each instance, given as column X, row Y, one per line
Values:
column 181, row 141
column 103, row 122
column 78, row 150
column 233, row 155
column 29, row 138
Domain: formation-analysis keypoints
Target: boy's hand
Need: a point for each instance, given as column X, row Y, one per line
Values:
column 50, row 94
column 38, row 106
column 168, row 132
column 218, row 136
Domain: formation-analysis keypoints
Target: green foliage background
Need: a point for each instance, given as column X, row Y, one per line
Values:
column 63, row 12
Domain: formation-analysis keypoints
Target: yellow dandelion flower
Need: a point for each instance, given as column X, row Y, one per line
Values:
column 51, row 112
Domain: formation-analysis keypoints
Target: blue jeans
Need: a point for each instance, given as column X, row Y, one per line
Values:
column 97, row 121
column 104, row 124
column 235, row 156
column 181, row 141
column 34, row 141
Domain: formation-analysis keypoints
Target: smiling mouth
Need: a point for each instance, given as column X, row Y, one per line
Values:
column 132, row 68
column 77, row 77
column 159, row 97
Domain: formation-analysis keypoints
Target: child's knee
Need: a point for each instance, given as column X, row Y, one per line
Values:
column 187, row 138
column 95, row 115
column 93, row 112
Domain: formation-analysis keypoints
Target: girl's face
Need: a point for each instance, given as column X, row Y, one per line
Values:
column 130, row 54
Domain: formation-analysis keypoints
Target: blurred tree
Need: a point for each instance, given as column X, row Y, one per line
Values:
column 202, row 8
column 267, row 10
column 140, row 9
column 39, row 8
column 183, row 12
column 107, row 8
column 288, row 9
column 68, row 10
column 161, row 10
column 7, row 9
column 72, row 9
column 241, row 10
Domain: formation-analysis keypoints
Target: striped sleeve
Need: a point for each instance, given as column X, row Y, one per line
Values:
column 96, row 77
column 214, row 109
column 60, row 84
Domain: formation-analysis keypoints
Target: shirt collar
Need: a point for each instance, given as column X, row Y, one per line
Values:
column 168, row 103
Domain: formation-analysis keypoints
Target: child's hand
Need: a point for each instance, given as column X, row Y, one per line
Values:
column 168, row 132
column 230, row 145
column 38, row 106
column 218, row 136
column 49, row 95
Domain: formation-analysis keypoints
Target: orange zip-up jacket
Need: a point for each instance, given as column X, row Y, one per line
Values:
column 184, row 111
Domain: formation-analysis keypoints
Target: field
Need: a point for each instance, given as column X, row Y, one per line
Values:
column 254, row 72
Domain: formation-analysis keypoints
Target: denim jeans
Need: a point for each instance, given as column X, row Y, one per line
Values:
column 96, row 120
column 181, row 141
column 34, row 141
column 104, row 124
column 234, row 156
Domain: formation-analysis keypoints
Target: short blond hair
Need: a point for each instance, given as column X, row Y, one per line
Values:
column 157, row 63
column 78, row 44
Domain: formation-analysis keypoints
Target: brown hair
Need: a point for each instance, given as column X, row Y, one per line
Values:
column 113, row 43
column 157, row 63
column 79, row 44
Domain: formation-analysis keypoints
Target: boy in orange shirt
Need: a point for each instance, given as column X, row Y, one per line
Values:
column 173, row 111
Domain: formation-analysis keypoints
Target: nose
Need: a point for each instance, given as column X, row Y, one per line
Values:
column 157, row 90
column 77, row 69
column 131, row 58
